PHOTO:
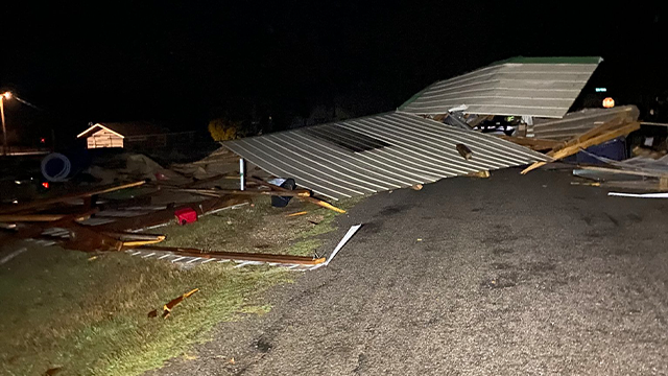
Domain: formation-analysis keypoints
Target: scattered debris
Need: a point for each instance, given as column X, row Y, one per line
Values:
column 464, row 151
column 575, row 123
column 167, row 308
column 185, row 216
column 417, row 187
column 639, row 195
column 53, row 371
column 297, row 214
column 311, row 200
column 10, row 256
column 343, row 242
column 41, row 204
column 602, row 133
column 479, row 174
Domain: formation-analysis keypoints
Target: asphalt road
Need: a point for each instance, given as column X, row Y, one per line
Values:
column 512, row 275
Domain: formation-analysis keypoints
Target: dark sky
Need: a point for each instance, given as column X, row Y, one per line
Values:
column 188, row 62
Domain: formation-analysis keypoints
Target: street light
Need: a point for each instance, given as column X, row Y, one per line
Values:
column 5, row 95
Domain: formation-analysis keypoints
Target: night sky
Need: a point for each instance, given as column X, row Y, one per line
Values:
column 185, row 63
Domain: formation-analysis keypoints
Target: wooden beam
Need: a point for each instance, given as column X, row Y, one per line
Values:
column 40, row 204
column 593, row 137
column 30, row 217
column 311, row 200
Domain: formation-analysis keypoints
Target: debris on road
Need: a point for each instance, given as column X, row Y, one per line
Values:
column 167, row 308
column 479, row 174
column 342, row 242
column 639, row 195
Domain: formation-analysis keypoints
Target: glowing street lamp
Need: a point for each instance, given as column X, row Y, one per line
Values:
column 5, row 95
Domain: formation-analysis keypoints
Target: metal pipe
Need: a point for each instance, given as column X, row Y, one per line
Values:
column 242, row 182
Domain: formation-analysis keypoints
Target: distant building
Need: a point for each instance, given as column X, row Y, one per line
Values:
column 132, row 135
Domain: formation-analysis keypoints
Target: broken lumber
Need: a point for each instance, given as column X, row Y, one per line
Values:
column 31, row 217
column 45, row 217
column 167, row 215
column 130, row 239
column 167, row 308
column 311, row 200
column 249, row 192
column 237, row 256
column 39, row 204
column 600, row 134
column 464, row 151
column 484, row 174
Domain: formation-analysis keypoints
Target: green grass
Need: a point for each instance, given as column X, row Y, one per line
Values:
column 60, row 309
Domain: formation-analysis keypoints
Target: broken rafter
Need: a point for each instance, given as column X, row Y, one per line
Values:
column 311, row 200
column 598, row 135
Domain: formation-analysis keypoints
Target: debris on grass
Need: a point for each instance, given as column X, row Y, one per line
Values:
column 167, row 308
column 53, row 371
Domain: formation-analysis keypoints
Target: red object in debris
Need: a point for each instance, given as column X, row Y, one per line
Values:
column 45, row 184
column 185, row 215
column 160, row 176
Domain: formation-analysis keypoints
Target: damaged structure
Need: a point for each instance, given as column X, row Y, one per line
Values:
column 434, row 135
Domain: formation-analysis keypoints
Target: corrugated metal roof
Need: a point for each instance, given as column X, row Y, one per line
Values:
column 576, row 123
column 410, row 150
column 540, row 87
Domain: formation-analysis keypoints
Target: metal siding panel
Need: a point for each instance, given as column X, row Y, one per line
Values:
column 363, row 165
column 541, row 90
column 363, row 174
column 419, row 151
column 433, row 152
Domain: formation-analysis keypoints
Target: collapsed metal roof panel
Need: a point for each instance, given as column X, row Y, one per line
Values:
column 376, row 153
column 576, row 123
column 540, row 87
